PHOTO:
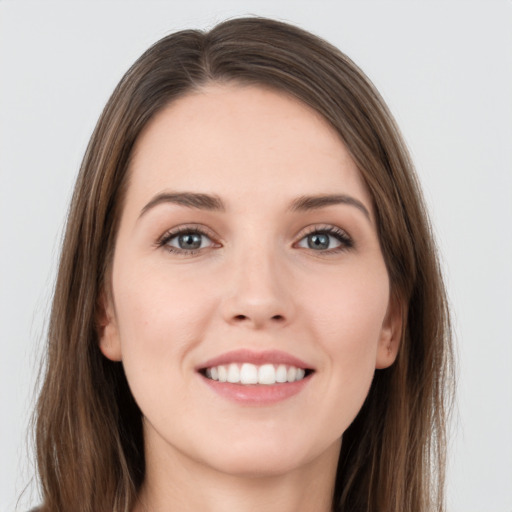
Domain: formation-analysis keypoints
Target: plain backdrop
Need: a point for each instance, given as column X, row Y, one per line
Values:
column 445, row 69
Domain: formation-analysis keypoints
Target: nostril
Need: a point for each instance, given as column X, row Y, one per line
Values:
column 241, row 318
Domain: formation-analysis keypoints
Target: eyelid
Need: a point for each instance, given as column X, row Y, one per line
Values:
column 187, row 228
column 346, row 241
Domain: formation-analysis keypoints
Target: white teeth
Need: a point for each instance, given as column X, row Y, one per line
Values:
column 290, row 375
column 223, row 373
column 267, row 374
column 233, row 373
column 247, row 373
column 281, row 373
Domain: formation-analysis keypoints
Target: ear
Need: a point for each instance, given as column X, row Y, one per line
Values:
column 391, row 333
column 108, row 332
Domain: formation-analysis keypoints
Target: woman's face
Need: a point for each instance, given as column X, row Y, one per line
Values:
column 247, row 249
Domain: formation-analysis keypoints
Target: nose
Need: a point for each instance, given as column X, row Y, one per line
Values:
column 259, row 292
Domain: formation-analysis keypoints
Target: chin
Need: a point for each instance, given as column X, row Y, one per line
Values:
column 265, row 455
column 258, row 465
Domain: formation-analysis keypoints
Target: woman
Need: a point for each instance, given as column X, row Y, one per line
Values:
column 249, row 311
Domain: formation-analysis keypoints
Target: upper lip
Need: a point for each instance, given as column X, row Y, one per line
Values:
column 256, row 358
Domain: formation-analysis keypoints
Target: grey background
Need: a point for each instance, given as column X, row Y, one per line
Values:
column 445, row 69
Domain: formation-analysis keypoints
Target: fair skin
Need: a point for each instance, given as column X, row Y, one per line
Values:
column 253, row 266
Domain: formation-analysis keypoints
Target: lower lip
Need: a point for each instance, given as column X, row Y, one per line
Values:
column 257, row 394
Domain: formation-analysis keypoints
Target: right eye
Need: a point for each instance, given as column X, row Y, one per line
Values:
column 186, row 241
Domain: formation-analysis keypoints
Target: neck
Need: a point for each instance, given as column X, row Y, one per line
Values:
column 175, row 482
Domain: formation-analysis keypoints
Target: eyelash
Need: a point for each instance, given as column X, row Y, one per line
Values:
column 182, row 230
column 346, row 242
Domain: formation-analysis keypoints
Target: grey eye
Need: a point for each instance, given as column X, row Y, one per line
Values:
column 319, row 241
column 189, row 241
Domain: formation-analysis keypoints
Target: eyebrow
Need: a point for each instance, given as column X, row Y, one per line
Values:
column 188, row 199
column 214, row 203
column 307, row 203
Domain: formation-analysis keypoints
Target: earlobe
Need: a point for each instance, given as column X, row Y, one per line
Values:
column 106, row 325
column 391, row 334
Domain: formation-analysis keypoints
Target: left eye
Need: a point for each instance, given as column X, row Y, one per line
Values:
column 188, row 241
column 324, row 241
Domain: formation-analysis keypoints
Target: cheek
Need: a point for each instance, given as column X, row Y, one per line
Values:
column 161, row 319
column 347, row 321
column 349, row 313
column 160, row 315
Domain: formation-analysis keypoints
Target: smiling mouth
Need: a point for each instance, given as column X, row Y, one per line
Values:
column 250, row 374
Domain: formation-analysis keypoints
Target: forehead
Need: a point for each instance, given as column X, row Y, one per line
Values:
column 244, row 142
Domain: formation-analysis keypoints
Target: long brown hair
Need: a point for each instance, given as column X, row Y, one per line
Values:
column 89, row 430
